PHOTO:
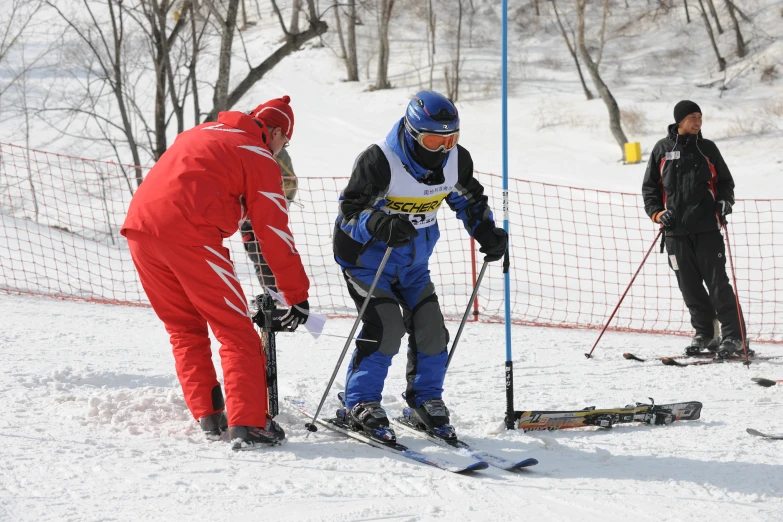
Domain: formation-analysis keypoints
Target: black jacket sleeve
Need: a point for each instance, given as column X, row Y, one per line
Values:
column 652, row 186
column 468, row 199
column 365, row 191
column 725, row 186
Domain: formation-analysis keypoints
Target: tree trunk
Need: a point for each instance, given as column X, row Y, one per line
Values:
column 341, row 39
column 572, row 52
column 715, row 16
column 353, row 57
column 118, row 32
column 538, row 10
column 431, row 40
column 687, row 14
column 721, row 60
column 455, row 91
column 615, row 123
column 195, row 39
column 295, row 10
column 741, row 49
column 382, row 76
column 227, row 27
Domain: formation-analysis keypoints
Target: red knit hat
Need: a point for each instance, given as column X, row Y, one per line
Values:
column 277, row 113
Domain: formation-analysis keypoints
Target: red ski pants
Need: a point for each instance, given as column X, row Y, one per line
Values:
column 190, row 287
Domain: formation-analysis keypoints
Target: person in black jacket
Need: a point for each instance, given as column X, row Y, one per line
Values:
column 689, row 190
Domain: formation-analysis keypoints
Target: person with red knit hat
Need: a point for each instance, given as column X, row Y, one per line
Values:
column 211, row 178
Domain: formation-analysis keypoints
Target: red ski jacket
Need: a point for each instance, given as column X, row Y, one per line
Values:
column 213, row 177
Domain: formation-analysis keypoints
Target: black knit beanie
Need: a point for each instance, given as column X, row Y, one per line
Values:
column 684, row 108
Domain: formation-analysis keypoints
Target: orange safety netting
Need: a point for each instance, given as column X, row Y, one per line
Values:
column 573, row 250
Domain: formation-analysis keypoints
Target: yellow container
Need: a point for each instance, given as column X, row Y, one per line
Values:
column 633, row 152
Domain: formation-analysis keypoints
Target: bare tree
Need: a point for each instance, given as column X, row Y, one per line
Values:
column 715, row 16
column 291, row 43
column 687, row 13
column 452, row 84
column 352, row 59
column 431, row 25
column 721, row 60
column 227, row 22
column 741, row 49
column 615, row 123
column 154, row 14
column 296, row 8
column 385, row 8
column 571, row 50
column 108, row 51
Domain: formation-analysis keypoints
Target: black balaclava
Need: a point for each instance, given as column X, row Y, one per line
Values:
column 427, row 159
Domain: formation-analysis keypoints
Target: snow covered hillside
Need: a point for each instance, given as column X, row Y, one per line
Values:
column 95, row 428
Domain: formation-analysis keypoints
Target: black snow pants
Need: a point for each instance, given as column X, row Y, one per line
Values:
column 699, row 260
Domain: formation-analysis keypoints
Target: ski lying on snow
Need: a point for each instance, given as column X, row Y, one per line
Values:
column 671, row 361
column 764, row 435
column 606, row 418
column 393, row 447
column 466, row 449
column 632, row 357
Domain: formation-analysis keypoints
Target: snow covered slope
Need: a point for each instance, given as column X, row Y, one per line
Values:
column 95, row 428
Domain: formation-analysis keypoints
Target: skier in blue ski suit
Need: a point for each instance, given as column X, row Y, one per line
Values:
column 392, row 199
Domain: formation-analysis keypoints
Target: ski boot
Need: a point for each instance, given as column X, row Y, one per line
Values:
column 367, row 417
column 250, row 437
column 731, row 347
column 700, row 343
column 214, row 425
column 433, row 417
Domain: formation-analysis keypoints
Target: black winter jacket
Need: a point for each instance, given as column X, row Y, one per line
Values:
column 687, row 174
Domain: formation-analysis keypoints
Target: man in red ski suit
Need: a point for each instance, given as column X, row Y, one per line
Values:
column 212, row 178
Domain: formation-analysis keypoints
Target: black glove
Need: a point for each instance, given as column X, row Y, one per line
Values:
column 393, row 229
column 666, row 218
column 295, row 316
column 724, row 209
column 493, row 241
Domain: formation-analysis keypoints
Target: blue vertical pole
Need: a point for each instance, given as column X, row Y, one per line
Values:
column 506, row 261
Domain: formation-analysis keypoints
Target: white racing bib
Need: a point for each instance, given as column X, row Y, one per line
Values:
column 417, row 201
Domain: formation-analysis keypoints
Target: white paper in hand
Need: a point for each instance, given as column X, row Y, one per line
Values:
column 315, row 322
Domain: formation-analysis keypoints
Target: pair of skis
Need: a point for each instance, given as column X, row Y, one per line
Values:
column 607, row 418
column 481, row 459
column 701, row 359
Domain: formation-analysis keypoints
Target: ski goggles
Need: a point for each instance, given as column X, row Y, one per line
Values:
column 432, row 141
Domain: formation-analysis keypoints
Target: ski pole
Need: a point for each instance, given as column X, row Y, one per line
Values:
column 736, row 295
column 660, row 231
column 311, row 425
column 467, row 312
column 266, row 304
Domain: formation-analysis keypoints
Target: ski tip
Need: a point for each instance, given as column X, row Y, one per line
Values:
column 525, row 463
column 476, row 466
column 668, row 361
column 761, row 381
column 632, row 357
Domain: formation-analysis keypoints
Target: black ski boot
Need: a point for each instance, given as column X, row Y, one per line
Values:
column 731, row 347
column 369, row 417
column 214, row 425
column 433, row 417
column 251, row 437
column 700, row 343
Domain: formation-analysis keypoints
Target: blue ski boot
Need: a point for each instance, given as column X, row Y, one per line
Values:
column 433, row 417
column 368, row 417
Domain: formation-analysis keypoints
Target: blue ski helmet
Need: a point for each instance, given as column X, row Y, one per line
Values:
column 430, row 111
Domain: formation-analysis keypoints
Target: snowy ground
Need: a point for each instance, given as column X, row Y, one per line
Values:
column 95, row 428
